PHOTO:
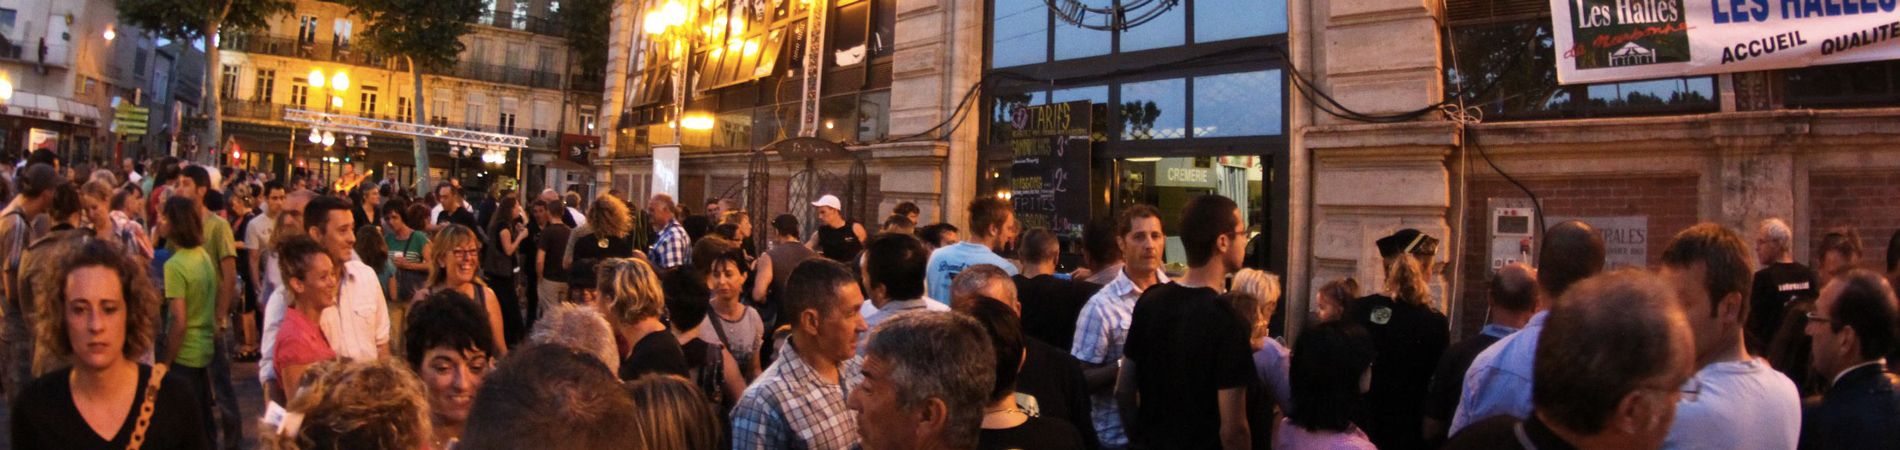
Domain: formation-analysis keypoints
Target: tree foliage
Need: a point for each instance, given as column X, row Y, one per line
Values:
column 189, row 19
column 428, row 32
column 587, row 31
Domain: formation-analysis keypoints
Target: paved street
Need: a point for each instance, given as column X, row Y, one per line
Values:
column 250, row 404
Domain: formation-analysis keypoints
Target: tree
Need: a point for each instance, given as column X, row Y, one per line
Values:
column 185, row 20
column 426, row 35
column 586, row 24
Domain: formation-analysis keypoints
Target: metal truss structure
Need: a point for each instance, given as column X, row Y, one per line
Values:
column 362, row 125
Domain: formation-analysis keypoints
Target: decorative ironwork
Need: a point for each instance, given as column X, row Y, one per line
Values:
column 1119, row 15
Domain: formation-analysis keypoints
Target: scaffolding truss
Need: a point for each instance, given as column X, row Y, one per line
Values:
column 353, row 124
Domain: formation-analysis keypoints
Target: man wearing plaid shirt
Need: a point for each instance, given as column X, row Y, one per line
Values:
column 1102, row 328
column 673, row 248
column 799, row 402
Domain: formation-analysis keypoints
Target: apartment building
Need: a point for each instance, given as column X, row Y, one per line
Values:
column 65, row 64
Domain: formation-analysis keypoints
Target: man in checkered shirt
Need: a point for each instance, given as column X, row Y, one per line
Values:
column 1102, row 328
column 673, row 248
column 799, row 402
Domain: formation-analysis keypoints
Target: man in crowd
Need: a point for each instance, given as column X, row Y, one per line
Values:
column 909, row 210
column 1188, row 357
column 1852, row 328
column 1050, row 382
column 551, row 246
column 992, row 224
column 1102, row 328
column 572, row 200
column 770, row 270
column 926, row 376
column 1513, row 300
column 194, row 183
column 257, row 235
column 673, row 248
column 35, row 186
column 358, row 326
column 1840, row 250
column 1780, row 282
column 1628, row 329
column 451, row 209
column 1499, row 381
column 552, row 199
column 900, row 224
column 893, row 271
column 1101, row 252
column 799, row 402
column 1051, row 301
column 1740, row 400
column 535, row 401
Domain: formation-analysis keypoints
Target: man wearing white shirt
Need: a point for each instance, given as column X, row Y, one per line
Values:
column 358, row 326
column 1735, row 401
column 1102, row 328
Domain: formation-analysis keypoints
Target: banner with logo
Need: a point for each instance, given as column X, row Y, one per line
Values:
column 1614, row 40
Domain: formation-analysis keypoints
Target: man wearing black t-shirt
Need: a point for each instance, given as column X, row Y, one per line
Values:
column 1050, row 303
column 1188, row 358
column 1779, row 283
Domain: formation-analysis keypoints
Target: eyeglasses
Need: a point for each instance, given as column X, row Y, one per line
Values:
column 1816, row 317
column 469, row 253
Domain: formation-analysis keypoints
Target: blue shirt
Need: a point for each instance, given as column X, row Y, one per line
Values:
column 1499, row 380
column 672, row 249
column 947, row 262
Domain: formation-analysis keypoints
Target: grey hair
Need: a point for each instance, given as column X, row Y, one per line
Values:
column 975, row 278
column 580, row 328
column 1776, row 231
column 942, row 355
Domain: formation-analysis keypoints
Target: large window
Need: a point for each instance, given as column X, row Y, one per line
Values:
column 266, row 86
column 1024, row 32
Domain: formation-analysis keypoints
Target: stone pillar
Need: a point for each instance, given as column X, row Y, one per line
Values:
column 933, row 69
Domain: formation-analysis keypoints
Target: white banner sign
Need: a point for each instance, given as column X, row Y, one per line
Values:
column 1613, row 40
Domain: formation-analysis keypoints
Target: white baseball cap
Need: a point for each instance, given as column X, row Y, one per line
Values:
column 829, row 200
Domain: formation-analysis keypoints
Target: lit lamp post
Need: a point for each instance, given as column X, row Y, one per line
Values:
column 337, row 84
column 669, row 21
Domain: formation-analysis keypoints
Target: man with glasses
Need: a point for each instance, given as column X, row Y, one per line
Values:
column 1743, row 402
column 1630, row 332
column 1188, row 357
column 1780, row 282
column 1852, row 328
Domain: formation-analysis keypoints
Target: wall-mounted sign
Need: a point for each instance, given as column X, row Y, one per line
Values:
column 1612, row 40
column 803, row 148
column 1049, row 176
column 1625, row 238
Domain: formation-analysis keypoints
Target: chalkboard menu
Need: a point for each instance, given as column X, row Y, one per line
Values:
column 1049, row 178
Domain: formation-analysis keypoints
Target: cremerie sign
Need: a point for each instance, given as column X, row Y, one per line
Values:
column 1615, row 40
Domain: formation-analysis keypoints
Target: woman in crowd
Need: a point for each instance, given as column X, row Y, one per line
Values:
column 630, row 290
column 454, row 253
column 407, row 246
column 708, row 364
column 741, row 223
column 95, row 200
column 128, row 213
column 374, row 252
column 366, row 405
column 100, row 316
column 366, row 198
column 507, row 227
column 311, row 282
column 671, row 414
column 65, row 209
column 607, row 233
column 448, row 344
column 1791, row 350
column 1005, row 424
column 1330, row 304
column 731, row 322
column 1256, row 298
column 1331, row 371
column 191, row 280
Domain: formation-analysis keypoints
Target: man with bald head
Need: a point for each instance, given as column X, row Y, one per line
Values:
column 1513, row 300
column 1610, row 371
column 1851, row 329
column 1499, row 381
column 1780, row 282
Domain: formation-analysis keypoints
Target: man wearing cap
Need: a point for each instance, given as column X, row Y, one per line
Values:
column 1410, row 336
column 837, row 237
column 672, row 248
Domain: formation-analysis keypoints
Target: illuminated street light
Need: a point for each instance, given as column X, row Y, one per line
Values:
column 110, row 34
column 697, row 122
column 316, row 78
column 315, row 137
column 6, row 88
column 340, row 82
column 328, row 139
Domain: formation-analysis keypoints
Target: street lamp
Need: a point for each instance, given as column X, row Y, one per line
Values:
column 669, row 21
column 338, row 83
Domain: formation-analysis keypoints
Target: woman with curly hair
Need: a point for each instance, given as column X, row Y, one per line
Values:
column 607, row 234
column 372, row 405
column 100, row 315
column 630, row 292
column 454, row 260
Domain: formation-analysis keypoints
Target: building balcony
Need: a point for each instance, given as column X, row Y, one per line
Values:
column 291, row 47
column 532, row 24
column 507, row 75
column 588, row 82
column 247, row 109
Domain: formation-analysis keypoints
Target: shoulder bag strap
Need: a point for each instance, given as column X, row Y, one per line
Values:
column 719, row 327
column 145, row 410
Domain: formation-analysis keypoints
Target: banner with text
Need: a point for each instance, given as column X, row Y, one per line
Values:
column 1614, row 40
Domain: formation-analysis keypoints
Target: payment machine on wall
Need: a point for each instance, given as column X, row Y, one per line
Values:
column 1513, row 227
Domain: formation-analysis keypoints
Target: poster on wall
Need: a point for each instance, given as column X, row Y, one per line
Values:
column 1049, row 173
column 1615, row 40
column 1625, row 238
column 42, row 139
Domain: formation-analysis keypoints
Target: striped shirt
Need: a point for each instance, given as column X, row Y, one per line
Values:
column 1099, row 334
column 790, row 406
column 672, row 249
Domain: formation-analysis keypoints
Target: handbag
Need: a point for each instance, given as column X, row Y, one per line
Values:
column 145, row 410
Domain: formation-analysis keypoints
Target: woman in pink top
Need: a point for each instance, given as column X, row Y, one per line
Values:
column 312, row 279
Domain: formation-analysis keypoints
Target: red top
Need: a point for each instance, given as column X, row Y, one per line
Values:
column 300, row 342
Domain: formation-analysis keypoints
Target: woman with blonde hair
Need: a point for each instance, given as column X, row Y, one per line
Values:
column 454, row 261
column 670, row 413
column 369, row 405
column 99, row 315
column 630, row 293
column 607, row 234
column 1255, row 297
column 1409, row 335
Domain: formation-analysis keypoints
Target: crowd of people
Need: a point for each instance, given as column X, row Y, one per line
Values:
column 461, row 319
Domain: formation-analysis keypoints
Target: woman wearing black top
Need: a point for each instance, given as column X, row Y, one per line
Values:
column 630, row 292
column 1005, row 424
column 837, row 238
column 507, row 228
column 607, row 234
column 100, row 323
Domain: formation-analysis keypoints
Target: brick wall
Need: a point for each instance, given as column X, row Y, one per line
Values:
column 1669, row 201
column 1861, row 199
